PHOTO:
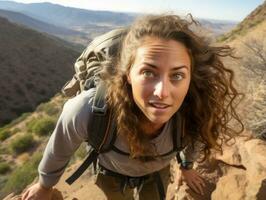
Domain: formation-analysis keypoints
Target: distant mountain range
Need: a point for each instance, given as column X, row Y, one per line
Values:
column 41, row 26
column 91, row 22
column 67, row 16
column 72, row 24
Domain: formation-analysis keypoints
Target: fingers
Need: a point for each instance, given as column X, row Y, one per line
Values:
column 25, row 195
column 194, row 186
column 199, row 187
column 194, row 181
column 179, row 182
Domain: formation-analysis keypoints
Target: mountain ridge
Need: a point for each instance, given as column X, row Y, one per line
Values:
column 255, row 18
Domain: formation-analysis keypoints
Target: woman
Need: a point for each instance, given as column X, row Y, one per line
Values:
column 163, row 68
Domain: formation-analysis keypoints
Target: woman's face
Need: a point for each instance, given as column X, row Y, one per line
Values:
column 160, row 77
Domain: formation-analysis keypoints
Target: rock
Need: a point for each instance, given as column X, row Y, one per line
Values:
column 238, row 174
column 248, row 180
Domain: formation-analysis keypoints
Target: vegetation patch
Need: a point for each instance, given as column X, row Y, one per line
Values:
column 15, row 130
column 22, row 144
column 43, row 126
column 4, row 134
column 4, row 168
column 22, row 176
column 49, row 108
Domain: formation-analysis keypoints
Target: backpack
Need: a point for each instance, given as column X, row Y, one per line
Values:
column 88, row 65
column 102, row 127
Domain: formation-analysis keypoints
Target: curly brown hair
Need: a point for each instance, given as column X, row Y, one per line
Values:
column 210, row 103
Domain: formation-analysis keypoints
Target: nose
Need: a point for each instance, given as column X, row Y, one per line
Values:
column 162, row 89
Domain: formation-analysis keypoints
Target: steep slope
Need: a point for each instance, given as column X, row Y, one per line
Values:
column 33, row 67
column 255, row 18
column 250, row 68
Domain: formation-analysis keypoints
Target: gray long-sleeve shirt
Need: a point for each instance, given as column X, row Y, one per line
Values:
column 71, row 131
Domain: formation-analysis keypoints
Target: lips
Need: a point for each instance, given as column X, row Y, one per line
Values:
column 159, row 105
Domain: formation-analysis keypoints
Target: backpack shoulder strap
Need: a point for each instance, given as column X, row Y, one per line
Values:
column 177, row 127
column 101, row 129
column 87, row 162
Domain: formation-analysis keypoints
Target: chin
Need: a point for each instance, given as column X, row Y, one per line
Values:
column 159, row 120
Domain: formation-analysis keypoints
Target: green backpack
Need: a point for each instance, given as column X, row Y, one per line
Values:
column 102, row 126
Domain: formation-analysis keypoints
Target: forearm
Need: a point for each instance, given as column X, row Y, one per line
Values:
column 69, row 133
column 53, row 163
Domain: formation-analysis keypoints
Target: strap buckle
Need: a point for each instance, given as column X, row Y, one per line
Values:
column 134, row 182
column 99, row 111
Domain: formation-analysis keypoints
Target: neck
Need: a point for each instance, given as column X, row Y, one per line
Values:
column 151, row 130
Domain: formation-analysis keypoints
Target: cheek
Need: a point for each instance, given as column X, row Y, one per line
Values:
column 141, row 92
column 138, row 90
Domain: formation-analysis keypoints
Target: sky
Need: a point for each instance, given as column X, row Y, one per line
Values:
column 234, row 10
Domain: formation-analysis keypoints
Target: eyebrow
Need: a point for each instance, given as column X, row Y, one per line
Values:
column 173, row 69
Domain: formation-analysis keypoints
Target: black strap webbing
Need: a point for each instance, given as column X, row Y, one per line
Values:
column 117, row 150
column 160, row 187
column 99, row 103
column 92, row 157
column 175, row 131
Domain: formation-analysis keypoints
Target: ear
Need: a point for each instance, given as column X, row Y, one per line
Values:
column 128, row 78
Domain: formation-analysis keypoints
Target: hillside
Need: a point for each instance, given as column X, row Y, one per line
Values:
column 22, row 143
column 33, row 67
column 255, row 18
column 64, row 33
column 250, row 69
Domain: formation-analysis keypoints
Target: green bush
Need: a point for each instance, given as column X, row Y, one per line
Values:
column 4, row 150
column 22, row 143
column 22, row 175
column 15, row 130
column 30, row 124
column 4, row 134
column 43, row 126
column 4, row 168
column 48, row 108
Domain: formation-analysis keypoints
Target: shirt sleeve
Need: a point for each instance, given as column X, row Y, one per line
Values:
column 69, row 133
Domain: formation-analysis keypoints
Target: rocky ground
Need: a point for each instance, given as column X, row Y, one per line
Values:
column 238, row 174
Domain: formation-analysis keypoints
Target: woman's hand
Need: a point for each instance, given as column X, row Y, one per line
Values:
column 193, row 180
column 37, row 192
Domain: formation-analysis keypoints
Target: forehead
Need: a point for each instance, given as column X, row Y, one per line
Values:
column 160, row 49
